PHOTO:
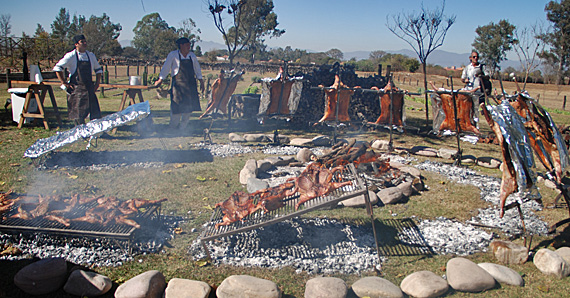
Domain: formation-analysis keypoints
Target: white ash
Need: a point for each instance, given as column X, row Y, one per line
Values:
column 225, row 150
column 91, row 252
column 317, row 246
column 490, row 190
column 445, row 236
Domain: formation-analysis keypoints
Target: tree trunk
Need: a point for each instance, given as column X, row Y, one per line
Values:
column 424, row 67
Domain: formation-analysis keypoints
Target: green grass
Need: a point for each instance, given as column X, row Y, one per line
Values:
column 191, row 198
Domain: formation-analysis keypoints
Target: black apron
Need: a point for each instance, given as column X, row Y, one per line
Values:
column 184, row 96
column 82, row 100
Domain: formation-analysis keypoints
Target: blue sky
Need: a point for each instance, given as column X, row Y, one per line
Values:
column 317, row 25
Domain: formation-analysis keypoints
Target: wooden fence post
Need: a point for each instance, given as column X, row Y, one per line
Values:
column 115, row 71
column 128, row 68
column 8, row 78
column 564, row 104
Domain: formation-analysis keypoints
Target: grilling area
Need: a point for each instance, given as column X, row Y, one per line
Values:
column 296, row 177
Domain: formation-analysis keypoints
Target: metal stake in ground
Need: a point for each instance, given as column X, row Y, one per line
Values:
column 457, row 127
column 391, row 143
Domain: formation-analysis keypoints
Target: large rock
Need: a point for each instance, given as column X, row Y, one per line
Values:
column 359, row 201
column 424, row 284
column 424, row 151
column 254, row 184
column 186, row 288
column 329, row 287
column 305, row 155
column 390, row 195
column 235, row 138
column 503, row 274
column 549, row 262
column 446, row 153
column 508, row 252
column 255, row 137
column 489, row 162
column 86, row 283
column 564, row 253
column 380, row 145
column 411, row 170
column 321, row 141
column 465, row 276
column 249, row 170
column 374, row 286
column 301, row 142
column 468, row 159
column 237, row 286
column 406, row 187
column 42, row 277
column 150, row 284
column 264, row 165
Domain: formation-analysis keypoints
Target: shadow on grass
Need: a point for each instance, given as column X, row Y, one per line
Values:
column 125, row 158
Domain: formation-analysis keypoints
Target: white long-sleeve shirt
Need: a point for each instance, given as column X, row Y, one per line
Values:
column 70, row 62
column 172, row 64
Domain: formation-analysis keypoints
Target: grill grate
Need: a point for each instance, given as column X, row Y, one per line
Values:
column 260, row 219
column 42, row 225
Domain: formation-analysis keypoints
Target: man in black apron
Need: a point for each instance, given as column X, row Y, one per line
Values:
column 183, row 65
column 81, row 98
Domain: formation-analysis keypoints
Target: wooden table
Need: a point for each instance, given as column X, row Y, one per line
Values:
column 40, row 90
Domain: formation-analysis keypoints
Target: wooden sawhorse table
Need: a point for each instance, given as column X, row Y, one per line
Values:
column 38, row 92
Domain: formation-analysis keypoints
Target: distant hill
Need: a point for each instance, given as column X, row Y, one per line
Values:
column 437, row 57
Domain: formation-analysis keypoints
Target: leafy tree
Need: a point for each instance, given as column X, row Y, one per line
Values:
column 376, row 55
column 493, row 41
column 335, row 54
column 102, row 35
column 130, row 52
column 558, row 13
column 528, row 48
column 147, row 31
column 250, row 22
column 424, row 32
column 5, row 26
column 61, row 25
column 187, row 29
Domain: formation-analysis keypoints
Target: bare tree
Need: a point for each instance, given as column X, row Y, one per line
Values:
column 424, row 31
column 5, row 27
column 250, row 22
column 528, row 47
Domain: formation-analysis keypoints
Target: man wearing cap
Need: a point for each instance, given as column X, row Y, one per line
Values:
column 185, row 70
column 81, row 98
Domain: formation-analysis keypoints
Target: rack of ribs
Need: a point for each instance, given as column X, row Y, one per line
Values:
column 280, row 89
column 464, row 104
column 236, row 207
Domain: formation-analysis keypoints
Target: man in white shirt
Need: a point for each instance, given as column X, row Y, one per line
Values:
column 81, row 98
column 468, row 74
column 185, row 70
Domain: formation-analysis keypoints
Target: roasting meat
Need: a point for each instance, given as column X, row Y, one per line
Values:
column 464, row 113
column 65, row 210
column 280, row 90
column 316, row 181
column 508, row 182
column 272, row 198
column 343, row 96
column 541, row 134
column 222, row 90
column 397, row 110
column 236, row 207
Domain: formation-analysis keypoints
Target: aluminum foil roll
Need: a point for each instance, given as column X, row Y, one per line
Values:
column 92, row 128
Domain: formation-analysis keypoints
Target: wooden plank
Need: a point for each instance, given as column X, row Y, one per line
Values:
column 52, row 83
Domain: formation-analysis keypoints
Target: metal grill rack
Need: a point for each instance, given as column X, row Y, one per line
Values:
column 121, row 232
column 260, row 219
